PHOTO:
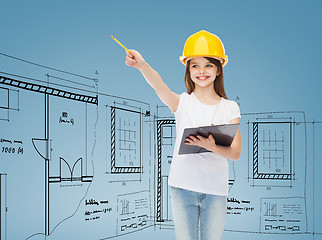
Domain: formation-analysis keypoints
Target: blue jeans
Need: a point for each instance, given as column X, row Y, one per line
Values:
column 197, row 214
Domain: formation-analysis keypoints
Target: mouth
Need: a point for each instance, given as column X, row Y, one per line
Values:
column 202, row 78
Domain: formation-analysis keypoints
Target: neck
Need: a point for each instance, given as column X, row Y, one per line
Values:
column 206, row 95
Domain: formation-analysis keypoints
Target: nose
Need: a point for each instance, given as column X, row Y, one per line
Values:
column 201, row 70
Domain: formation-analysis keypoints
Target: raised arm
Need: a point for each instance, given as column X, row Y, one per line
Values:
column 169, row 98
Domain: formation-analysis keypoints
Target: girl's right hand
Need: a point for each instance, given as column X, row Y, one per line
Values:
column 134, row 59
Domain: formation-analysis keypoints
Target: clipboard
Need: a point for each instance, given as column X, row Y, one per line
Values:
column 223, row 134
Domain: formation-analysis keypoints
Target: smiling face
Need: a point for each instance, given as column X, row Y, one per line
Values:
column 214, row 75
column 202, row 72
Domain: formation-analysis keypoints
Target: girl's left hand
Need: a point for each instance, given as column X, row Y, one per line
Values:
column 207, row 143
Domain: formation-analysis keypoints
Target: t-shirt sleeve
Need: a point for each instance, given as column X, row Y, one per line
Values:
column 183, row 96
column 235, row 111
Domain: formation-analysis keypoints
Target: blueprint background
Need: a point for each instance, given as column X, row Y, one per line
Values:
column 274, row 51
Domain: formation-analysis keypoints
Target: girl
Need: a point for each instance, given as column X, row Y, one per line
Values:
column 198, row 182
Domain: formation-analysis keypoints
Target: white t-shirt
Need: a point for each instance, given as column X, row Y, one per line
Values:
column 203, row 172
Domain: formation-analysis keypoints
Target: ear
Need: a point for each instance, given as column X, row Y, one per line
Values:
column 218, row 72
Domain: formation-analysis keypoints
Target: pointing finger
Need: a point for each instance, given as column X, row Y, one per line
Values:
column 128, row 54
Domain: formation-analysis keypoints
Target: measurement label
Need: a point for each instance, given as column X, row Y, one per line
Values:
column 11, row 146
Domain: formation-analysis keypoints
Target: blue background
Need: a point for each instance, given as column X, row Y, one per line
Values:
column 274, row 49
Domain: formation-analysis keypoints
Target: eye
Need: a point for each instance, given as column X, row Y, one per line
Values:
column 209, row 65
column 194, row 66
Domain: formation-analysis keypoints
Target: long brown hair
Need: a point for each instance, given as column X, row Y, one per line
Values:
column 219, row 81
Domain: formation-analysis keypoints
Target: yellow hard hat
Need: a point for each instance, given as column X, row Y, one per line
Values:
column 204, row 44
